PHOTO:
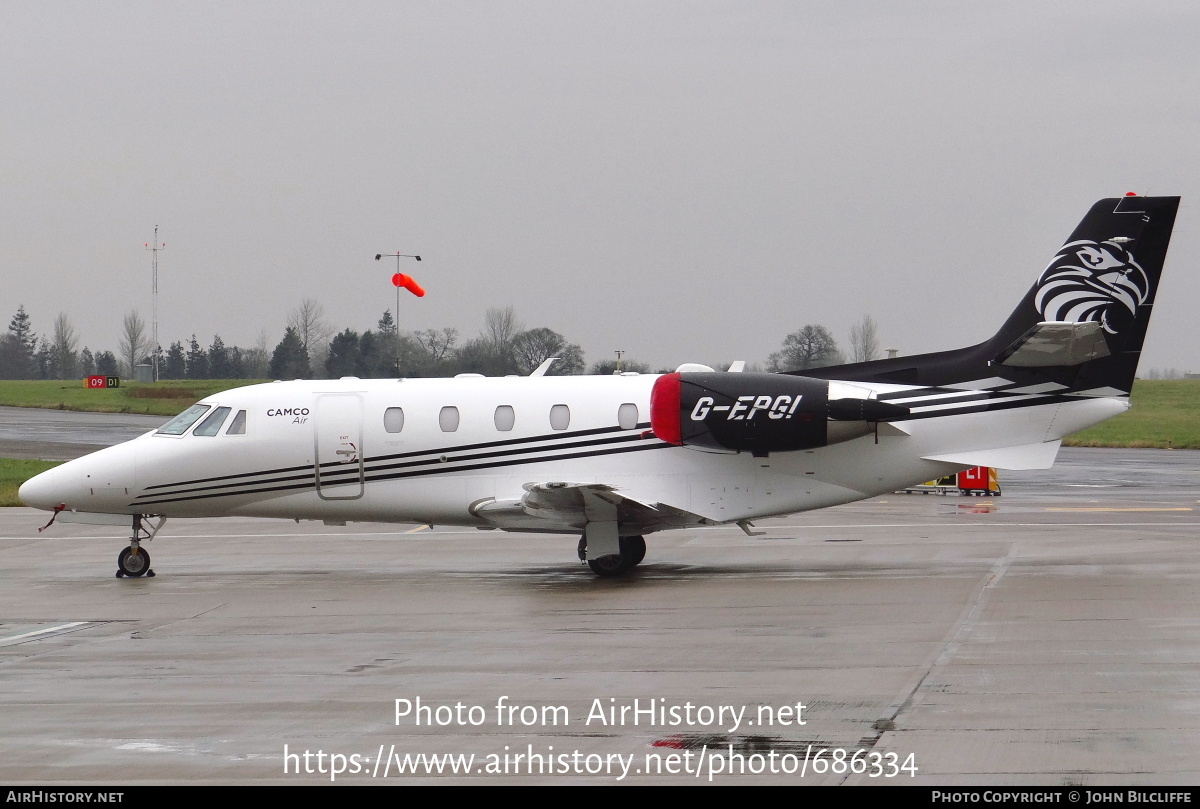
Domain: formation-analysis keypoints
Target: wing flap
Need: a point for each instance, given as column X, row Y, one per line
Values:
column 564, row 506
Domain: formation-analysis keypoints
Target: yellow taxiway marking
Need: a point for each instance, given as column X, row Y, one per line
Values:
column 1101, row 508
column 418, row 528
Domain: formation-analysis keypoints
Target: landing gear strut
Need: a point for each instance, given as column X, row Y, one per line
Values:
column 633, row 551
column 134, row 561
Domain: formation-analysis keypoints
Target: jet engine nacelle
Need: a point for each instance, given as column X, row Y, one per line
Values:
column 761, row 413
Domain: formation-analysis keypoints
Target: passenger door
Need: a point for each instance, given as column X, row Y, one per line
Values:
column 339, row 449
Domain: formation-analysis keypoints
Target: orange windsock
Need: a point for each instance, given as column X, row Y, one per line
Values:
column 406, row 281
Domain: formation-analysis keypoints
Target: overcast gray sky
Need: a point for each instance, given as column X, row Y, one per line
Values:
column 687, row 181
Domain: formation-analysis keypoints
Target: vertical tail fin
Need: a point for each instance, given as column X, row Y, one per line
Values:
column 1107, row 274
column 1080, row 326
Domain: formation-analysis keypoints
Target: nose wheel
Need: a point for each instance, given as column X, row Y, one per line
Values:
column 134, row 562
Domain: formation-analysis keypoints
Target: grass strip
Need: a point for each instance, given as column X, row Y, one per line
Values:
column 152, row 399
column 14, row 472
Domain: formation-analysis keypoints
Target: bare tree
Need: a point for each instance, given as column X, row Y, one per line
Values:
column 134, row 344
column 439, row 345
column 308, row 321
column 492, row 352
column 256, row 360
column 864, row 340
column 810, row 347
column 532, row 348
column 500, row 326
column 66, row 358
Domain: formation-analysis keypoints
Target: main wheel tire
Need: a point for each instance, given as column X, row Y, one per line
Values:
column 607, row 566
column 133, row 564
column 633, row 548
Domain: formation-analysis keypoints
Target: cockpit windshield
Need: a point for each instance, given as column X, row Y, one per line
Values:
column 179, row 425
column 238, row 425
column 213, row 423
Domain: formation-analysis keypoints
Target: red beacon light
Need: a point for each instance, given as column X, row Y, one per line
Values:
column 1131, row 193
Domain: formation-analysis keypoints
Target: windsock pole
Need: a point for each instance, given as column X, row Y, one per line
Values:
column 406, row 281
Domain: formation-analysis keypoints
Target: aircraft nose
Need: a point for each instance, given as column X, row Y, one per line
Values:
column 45, row 491
column 99, row 482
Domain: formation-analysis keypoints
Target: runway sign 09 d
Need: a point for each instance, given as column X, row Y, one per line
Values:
column 102, row 382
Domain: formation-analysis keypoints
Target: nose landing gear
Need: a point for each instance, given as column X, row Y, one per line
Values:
column 134, row 561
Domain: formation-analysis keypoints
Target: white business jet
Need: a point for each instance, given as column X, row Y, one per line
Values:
column 614, row 458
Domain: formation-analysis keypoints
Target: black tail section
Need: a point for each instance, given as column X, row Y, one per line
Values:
column 1105, row 274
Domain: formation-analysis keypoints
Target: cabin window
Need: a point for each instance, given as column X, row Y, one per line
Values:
column 560, row 417
column 212, row 425
column 393, row 419
column 627, row 416
column 238, row 426
column 506, row 417
column 448, row 419
column 179, row 425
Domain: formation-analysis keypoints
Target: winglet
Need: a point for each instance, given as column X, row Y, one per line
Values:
column 544, row 367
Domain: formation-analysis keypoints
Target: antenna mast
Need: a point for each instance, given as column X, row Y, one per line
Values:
column 154, row 247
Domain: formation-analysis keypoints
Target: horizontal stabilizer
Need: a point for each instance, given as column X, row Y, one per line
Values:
column 1029, row 456
column 1054, row 344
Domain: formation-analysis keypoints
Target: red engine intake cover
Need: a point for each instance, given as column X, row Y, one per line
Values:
column 664, row 409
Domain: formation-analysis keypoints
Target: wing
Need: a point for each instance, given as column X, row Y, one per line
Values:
column 567, row 507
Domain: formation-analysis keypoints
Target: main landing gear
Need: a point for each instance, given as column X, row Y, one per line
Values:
column 633, row 551
column 134, row 561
